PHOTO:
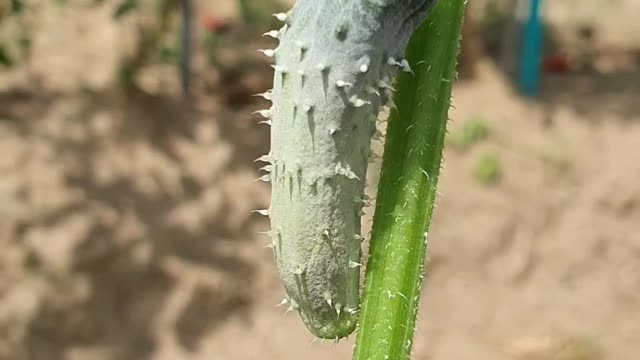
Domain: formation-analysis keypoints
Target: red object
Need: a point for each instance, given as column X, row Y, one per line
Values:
column 556, row 64
column 213, row 24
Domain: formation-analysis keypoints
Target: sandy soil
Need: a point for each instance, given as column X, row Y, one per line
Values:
column 126, row 228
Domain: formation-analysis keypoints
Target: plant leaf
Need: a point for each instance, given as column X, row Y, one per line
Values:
column 124, row 8
column 16, row 7
column 5, row 60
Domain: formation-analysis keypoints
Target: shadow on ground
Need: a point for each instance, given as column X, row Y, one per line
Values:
column 159, row 232
column 595, row 96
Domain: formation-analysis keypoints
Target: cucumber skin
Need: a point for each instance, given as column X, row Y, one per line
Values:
column 333, row 70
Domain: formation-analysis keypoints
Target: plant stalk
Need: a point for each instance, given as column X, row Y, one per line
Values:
column 407, row 189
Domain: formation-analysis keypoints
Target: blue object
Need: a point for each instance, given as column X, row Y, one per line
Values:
column 531, row 56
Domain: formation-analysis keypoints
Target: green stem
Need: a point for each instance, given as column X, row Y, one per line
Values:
column 407, row 190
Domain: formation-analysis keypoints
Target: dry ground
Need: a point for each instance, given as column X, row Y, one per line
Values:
column 126, row 233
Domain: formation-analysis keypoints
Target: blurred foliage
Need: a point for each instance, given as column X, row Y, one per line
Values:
column 472, row 131
column 494, row 14
column 256, row 14
column 157, row 26
column 17, row 6
column 5, row 60
column 15, row 39
column 487, row 169
column 150, row 41
column 494, row 24
column 125, row 7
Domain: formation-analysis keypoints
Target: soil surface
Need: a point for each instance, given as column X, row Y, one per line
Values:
column 126, row 229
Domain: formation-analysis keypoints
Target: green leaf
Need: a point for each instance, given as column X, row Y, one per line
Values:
column 168, row 55
column 487, row 169
column 17, row 6
column 124, row 8
column 472, row 132
column 5, row 59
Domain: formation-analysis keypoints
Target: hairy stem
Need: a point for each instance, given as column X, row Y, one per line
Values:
column 407, row 190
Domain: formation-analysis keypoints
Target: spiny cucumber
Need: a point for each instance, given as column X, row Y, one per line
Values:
column 334, row 69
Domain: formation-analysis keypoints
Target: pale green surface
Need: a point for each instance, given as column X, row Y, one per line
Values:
column 326, row 97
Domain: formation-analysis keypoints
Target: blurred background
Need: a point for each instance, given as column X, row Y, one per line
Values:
column 126, row 184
